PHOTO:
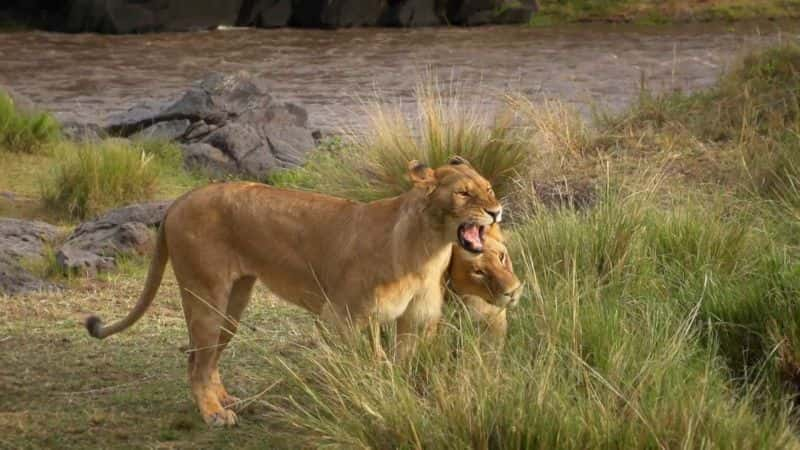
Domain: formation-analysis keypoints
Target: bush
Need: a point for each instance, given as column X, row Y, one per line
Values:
column 24, row 132
column 94, row 177
column 372, row 163
column 632, row 336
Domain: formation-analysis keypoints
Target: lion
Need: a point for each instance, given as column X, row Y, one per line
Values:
column 486, row 284
column 350, row 263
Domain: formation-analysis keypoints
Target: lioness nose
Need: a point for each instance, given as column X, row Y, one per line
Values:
column 495, row 213
column 516, row 292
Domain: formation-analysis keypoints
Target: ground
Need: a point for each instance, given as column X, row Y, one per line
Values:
column 64, row 389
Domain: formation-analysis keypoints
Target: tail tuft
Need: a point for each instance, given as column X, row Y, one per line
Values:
column 93, row 326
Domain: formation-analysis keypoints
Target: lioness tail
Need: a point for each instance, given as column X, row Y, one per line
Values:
column 154, row 274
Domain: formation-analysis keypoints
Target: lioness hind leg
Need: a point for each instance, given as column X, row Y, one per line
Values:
column 204, row 324
column 238, row 300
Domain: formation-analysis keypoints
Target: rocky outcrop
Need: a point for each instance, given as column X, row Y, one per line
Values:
column 412, row 13
column 21, row 242
column 336, row 13
column 226, row 123
column 139, row 16
column 265, row 13
column 94, row 246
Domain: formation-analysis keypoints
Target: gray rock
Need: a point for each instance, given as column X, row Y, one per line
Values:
column 164, row 131
column 14, row 279
column 289, row 145
column 235, row 140
column 336, row 13
column 411, row 13
column 241, row 128
column 150, row 214
column 82, row 132
column 137, row 16
column 23, row 241
column 216, row 99
column 94, row 246
column 265, row 13
column 204, row 156
column 75, row 260
column 197, row 130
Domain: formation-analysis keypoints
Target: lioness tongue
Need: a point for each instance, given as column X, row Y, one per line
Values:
column 473, row 236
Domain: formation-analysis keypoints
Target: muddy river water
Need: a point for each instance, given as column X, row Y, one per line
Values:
column 86, row 77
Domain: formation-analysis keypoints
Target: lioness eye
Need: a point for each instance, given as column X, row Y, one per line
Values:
column 463, row 193
column 502, row 258
column 479, row 273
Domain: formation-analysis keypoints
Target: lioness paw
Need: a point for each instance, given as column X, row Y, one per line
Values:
column 225, row 418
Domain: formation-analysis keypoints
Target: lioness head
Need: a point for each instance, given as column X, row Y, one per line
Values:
column 464, row 198
column 488, row 275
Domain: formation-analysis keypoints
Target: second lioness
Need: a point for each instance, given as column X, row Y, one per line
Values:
column 346, row 261
column 486, row 283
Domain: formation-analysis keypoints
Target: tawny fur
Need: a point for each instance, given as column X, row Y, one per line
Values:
column 348, row 262
column 486, row 284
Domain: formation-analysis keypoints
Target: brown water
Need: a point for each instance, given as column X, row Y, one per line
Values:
column 86, row 77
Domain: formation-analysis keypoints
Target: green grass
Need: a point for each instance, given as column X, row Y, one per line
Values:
column 91, row 178
column 24, row 131
column 660, row 12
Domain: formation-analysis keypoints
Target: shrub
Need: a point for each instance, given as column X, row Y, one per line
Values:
column 372, row 163
column 24, row 132
column 93, row 177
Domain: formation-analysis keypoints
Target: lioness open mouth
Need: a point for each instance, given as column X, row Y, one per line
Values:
column 470, row 237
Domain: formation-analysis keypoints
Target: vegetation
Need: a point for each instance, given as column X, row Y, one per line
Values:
column 372, row 163
column 91, row 178
column 24, row 131
column 656, row 11
column 663, row 315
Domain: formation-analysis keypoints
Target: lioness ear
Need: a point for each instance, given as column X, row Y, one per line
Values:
column 456, row 160
column 420, row 174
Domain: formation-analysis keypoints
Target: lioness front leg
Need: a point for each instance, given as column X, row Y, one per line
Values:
column 421, row 318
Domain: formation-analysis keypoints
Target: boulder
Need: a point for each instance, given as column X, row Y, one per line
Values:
column 209, row 158
column 411, row 13
column 94, row 246
column 265, row 13
column 75, row 260
column 14, row 279
column 336, row 13
column 82, row 132
column 23, row 241
column 483, row 12
column 226, row 123
column 164, row 131
column 137, row 16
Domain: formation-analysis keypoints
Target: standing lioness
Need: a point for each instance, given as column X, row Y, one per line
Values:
column 346, row 261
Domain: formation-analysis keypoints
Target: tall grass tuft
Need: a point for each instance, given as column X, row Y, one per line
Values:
column 94, row 177
column 24, row 132
column 372, row 163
